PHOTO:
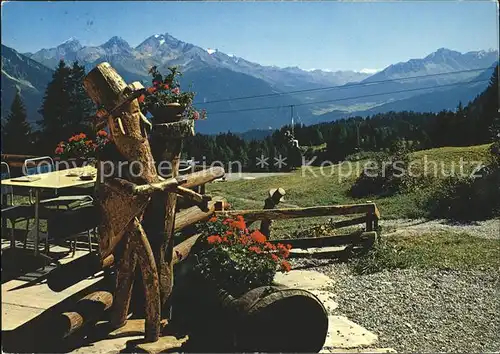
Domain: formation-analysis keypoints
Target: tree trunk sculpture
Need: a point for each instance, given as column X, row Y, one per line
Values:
column 124, row 196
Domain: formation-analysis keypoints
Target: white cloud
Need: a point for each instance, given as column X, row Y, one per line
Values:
column 369, row 71
column 325, row 70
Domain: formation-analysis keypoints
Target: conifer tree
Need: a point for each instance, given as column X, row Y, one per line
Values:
column 16, row 132
column 81, row 106
column 55, row 108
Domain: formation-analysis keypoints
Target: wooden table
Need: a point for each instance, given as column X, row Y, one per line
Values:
column 51, row 180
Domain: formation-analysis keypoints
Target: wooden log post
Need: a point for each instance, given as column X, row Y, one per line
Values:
column 159, row 218
column 87, row 311
column 275, row 197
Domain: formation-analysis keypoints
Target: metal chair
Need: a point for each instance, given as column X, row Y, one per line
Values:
column 46, row 164
column 73, row 224
column 11, row 212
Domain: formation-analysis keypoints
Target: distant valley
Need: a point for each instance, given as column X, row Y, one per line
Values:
column 217, row 76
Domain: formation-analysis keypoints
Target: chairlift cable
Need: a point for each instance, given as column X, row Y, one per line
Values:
column 340, row 86
column 351, row 98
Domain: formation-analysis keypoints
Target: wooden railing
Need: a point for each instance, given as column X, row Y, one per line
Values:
column 371, row 217
column 365, row 237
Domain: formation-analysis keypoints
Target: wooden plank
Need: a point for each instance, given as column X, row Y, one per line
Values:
column 349, row 222
column 337, row 240
column 292, row 213
column 22, row 301
column 31, row 300
column 14, row 316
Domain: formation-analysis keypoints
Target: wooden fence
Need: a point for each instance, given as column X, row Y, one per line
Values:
column 365, row 238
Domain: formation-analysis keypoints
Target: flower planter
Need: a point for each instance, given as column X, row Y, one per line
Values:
column 264, row 319
column 171, row 112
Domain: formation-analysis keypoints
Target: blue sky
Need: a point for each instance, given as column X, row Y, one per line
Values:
column 324, row 35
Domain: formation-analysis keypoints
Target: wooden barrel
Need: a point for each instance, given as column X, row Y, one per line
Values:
column 280, row 319
column 265, row 319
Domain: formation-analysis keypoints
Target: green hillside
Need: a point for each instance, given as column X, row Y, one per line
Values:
column 310, row 186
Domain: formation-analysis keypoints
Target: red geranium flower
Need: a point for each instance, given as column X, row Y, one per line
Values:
column 102, row 133
column 270, row 246
column 258, row 236
column 214, row 239
column 286, row 266
column 141, row 98
column 151, row 89
column 255, row 249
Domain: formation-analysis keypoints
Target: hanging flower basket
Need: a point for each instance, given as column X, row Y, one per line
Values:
column 165, row 100
column 170, row 112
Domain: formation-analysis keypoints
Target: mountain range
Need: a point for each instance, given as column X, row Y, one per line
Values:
column 217, row 76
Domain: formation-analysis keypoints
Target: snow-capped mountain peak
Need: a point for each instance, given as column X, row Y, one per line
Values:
column 115, row 40
column 70, row 44
column 211, row 51
column 70, row 39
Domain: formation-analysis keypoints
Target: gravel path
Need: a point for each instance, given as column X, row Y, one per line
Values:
column 486, row 229
column 421, row 310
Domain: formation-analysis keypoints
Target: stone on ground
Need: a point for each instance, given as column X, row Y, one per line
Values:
column 343, row 333
column 326, row 298
column 304, row 279
column 359, row 350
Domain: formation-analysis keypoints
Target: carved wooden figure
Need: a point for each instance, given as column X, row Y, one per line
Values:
column 123, row 199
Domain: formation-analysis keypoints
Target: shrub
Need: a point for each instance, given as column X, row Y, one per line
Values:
column 388, row 175
column 366, row 155
column 467, row 198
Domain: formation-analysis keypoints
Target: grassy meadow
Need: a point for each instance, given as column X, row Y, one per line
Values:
column 329, row 185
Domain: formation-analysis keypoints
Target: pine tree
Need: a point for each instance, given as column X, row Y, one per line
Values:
column 56, row 108
column 16, row 132
column 81, row 106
